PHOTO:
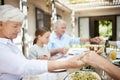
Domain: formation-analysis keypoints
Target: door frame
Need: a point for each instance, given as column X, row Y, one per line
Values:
column 94, row 32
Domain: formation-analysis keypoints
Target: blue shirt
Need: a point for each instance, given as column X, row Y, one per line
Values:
column 63, row 42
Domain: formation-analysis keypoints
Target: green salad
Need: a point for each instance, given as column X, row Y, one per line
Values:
column 83, row 76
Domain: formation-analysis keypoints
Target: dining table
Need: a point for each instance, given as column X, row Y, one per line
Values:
column 62, row 74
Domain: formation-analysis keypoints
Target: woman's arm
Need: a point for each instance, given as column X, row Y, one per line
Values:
column 113, row 43
column 73, row 62
column 93, row 40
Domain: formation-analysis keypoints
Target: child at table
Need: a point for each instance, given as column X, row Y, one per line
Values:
column 39, row 50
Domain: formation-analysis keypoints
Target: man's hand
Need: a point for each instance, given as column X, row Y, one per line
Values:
column 63, row 50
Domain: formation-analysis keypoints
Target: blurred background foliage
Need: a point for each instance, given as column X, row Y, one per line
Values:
column 105, row 29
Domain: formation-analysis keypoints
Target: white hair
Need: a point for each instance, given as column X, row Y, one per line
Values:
column 58, row 23
column 8, row 12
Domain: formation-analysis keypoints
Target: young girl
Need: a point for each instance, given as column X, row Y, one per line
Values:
column 40, row 50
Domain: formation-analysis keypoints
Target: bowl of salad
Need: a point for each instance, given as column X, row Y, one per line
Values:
column 83, row 75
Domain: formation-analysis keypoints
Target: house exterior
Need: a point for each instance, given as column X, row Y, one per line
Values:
column 82, row 19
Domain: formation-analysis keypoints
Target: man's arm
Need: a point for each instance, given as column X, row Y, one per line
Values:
column 82, row 41
column 93, row 40
column 113, row 43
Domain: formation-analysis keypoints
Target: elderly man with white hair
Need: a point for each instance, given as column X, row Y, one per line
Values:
column 60, row 41
column 13, row 64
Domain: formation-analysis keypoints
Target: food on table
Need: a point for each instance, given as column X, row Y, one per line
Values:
column 113, row 55
column 97, row 48
column 84, row 75
column 116, row 62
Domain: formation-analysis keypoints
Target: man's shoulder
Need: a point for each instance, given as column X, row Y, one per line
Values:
column 52, row 36
column 67, row 36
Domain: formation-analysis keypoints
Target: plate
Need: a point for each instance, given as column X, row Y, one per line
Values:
column 77, row 51
column 116, row 62
column 59, row 70
column 81, row 73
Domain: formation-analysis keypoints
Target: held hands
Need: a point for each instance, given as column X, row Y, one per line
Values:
column 93, row 59
column 96, row 40
column 93, row 40
column 90, row 58
column 75, row 62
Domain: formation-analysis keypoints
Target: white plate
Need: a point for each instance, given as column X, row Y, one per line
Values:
column 116, row 62
column 94, row 73
column 59, row 70
column 77, row 51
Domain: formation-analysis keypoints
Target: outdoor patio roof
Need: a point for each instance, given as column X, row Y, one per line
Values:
column 78, row 5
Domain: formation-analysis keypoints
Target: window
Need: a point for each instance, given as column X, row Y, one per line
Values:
column 42, row 19
column 103, row 26
column 1, row 2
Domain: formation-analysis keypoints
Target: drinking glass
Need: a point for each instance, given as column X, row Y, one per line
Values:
column 113, row 55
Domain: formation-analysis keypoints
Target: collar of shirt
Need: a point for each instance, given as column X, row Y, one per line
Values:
column 36, row 45
column 5, row 41
column 56, row 37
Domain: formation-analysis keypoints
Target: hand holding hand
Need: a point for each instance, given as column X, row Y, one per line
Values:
column 75, row 62
column 97, row 40
column 72, row 62
column 93, row 59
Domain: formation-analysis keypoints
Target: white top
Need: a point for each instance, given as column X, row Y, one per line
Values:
column 118, row 44
column 13, row 64
column 35, row 51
